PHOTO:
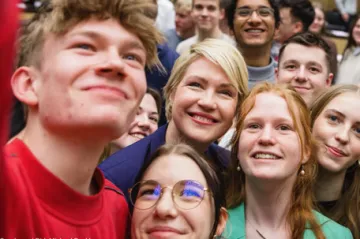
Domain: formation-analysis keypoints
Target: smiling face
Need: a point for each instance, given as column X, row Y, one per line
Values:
column 92, row 79
column 356, row 33
column 309, row 75
column 269, row 146
column 319, row 21
column 203, row 104
column 165, row 219
column 207, row 14
column 254, row 30
column 145, row 123
column 337, row 129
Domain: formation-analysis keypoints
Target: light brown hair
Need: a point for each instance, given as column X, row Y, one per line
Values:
column 346, row 210
column 59, row 16
column 300, row 214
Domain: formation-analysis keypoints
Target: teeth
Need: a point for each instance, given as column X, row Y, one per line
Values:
column 255, row 31
column 140, row 136
column 202, row 119
column 265, row 156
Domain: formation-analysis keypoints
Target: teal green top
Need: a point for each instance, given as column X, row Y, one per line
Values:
column 235, row 227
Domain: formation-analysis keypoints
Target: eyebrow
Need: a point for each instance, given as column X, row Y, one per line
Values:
column 97, row 36
column 247, row 6
column 152, row 112
column 206, row 81
column 334, row 111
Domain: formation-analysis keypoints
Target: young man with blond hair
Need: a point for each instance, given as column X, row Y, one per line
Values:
column 81, row 76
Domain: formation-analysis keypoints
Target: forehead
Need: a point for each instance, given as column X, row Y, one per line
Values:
column 208, row 71
column 319, row 13
column 207, row 2
column 110, row 30
column 148, row 103
column 170, row 169
column 304, row 54
column 285, row 12
column 266, row 101
column 253, row 3
column 346, row 103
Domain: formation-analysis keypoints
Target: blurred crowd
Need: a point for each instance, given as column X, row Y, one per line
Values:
column 165, row 119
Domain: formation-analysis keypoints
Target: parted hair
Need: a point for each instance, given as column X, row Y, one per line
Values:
column 346, row 210
column 300, row 215
column 218, row 52
column 59, row 16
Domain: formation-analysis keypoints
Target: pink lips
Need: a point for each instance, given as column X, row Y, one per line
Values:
column 211, row 119
column 107, row 89
column 335, row 151
column 163, row 232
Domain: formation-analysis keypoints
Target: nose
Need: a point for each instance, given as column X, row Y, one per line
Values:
column 301, row 74
column 204, row 11
column 143, row 122
column 254, row 17
column 112, row 66
column 165, row 207
column 207, row 101
column 266, row 137
column 342, row 135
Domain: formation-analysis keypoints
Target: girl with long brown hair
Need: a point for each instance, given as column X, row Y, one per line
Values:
column 273, row 169
column 335, row 123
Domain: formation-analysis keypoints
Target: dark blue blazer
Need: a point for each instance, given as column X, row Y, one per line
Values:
column 122, row 167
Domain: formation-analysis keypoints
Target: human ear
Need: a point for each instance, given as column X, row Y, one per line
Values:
column 222, row 221
column 24, row 85
column 329, row 79
column 277, row 75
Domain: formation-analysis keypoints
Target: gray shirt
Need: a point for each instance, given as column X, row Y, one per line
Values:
column 265, row 73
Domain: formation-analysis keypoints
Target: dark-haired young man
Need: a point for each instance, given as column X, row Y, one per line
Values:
column 295, row 16
column 298, row 67
column 253, row 23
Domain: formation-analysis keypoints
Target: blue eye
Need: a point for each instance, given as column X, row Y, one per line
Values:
column 84, row 46
column 194, row 84
column 333, row 118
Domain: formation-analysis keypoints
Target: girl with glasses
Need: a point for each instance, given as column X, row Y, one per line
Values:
column 177, row 195
column 273, row 168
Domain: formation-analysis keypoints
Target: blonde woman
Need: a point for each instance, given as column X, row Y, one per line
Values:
column 202, row 96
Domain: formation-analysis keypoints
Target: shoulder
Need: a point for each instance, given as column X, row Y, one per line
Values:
column 186, row 44
column 235, row 226
column 332, row 229
column 221, row 154
column 167, row 56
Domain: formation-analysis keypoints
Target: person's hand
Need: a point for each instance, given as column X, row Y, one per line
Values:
column 345, row 16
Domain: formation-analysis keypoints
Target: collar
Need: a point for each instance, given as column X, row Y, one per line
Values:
column 262, row 73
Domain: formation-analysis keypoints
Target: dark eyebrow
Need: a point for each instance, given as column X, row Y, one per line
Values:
column 248, row 7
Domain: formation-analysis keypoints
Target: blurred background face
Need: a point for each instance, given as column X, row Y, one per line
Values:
column 269, row 146
column 145, row 123
column 207, row 14
column 254, row 30
column 337, row 129
column 165, row 219
column 319, row 21
column 356, row 33
column 183, row 22
column 286, row 26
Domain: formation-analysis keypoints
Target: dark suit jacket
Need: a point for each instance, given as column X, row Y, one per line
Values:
column 122, row 167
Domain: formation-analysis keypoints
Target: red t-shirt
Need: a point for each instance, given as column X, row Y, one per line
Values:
column 40, row 205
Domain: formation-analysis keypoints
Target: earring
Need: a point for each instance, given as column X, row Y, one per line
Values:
column 238, row 168
column 302, row 172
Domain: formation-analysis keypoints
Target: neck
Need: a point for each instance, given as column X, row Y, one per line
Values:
column 174, row 136
column 268, row 204
column 213, row 33
column 329, row 185
column 71, row 159
column 187, row 34
column 256, row 56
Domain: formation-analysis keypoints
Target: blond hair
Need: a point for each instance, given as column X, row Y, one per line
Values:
column 218, row 52
column 59, row 16
column 183, row 5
